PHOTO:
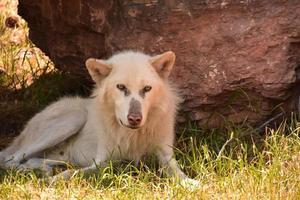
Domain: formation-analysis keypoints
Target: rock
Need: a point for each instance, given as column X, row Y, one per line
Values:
column 236, row 60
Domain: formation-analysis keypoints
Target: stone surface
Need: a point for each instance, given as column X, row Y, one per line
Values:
column 236, row 60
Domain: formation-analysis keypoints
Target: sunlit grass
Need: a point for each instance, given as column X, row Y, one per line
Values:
column 268, row 168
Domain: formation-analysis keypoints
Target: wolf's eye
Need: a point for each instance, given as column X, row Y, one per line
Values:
column 124, row 89
column 121, row 87
column 147, row 88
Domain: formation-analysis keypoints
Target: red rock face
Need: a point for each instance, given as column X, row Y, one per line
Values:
column 236, row 60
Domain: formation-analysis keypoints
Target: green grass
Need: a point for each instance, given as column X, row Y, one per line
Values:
column 235, row 164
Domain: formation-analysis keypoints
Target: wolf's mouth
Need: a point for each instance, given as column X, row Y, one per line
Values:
column 131, row 127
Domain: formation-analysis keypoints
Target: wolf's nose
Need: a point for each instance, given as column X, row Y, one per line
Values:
column 134, row 119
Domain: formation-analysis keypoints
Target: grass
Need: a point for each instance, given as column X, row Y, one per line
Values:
column 234, row 163
column 229, row 165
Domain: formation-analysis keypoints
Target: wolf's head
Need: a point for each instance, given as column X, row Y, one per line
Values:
column 132, row 84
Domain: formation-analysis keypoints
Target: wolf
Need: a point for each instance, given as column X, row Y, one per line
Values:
column 130, row 113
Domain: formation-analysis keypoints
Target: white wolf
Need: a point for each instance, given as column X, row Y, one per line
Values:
column 130, row 113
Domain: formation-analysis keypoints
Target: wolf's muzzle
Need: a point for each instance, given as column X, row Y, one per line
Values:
column 134, row 119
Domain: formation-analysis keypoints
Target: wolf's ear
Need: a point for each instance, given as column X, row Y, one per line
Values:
column 163, row 63
column 98, row 69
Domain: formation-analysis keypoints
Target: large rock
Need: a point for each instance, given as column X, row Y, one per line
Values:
column 236, row 60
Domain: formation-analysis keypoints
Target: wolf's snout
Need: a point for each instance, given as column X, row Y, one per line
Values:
column 134, row 119
column 135, row 116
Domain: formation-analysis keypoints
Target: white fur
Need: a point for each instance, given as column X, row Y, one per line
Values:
column 85, row 131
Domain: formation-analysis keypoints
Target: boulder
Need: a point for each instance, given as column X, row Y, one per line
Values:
column 237, row 61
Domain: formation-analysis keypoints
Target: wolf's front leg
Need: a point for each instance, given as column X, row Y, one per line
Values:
column 99, row 162
column 45, row 165
column 171, row 167
column 68, row 174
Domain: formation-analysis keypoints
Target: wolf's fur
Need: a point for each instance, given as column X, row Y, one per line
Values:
column 89, row 131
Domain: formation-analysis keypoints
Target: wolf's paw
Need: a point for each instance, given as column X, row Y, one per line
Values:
column 190, row 184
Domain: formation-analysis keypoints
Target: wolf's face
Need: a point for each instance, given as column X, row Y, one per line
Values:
column 132, row 83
